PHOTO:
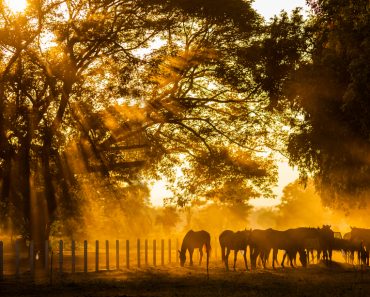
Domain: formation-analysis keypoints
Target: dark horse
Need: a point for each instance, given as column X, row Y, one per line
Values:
column 236, row 241
column 195, row 240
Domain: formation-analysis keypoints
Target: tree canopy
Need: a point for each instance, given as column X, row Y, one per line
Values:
column 331, row 90
column 117, row 92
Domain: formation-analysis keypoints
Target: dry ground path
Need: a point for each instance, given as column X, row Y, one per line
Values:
column 316, row 280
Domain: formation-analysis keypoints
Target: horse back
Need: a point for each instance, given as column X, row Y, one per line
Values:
column 360, row 234
column 196, row 239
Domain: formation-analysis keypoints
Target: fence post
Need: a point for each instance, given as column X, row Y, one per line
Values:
column 215, row 248
column 138, row 253
column 46, row 259
column 117, row 254
column 162, row 252
column 1, row 260
column 177, row 250
column 32, row 257
column 85, row 256
column 146, row 252
column 73, row 247
column 107, row 253
column 128, row 254
column 60, row 256
column 17, row 258
column 169, row 251
column 97, row 255
column 154, row 252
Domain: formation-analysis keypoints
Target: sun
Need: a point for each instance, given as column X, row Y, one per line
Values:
column 16, row 6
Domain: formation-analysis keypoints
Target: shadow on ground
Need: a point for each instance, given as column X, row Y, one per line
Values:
column 316, row 280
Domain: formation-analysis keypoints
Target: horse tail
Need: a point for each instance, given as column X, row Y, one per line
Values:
column 207, row 247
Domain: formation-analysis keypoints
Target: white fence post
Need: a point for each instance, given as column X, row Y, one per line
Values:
column 146, row 252
column 60, row 256
column 1, row 260
column 128, row 254
column 177, row 250
column 162, row 252
column 216, row 245
column 138, row 252
column 97, row 255
column 32, row 257
column 107, row 254
column 17, row 258
column 85, row 256
column 154, row 252
column 117, row 254
column 169, row 251
column 46, row 258
column 73, row 247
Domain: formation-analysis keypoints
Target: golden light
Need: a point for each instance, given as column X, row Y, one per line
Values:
column 16, row 6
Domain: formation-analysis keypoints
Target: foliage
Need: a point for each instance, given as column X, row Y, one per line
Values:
column 331, row 93
column 112, row 93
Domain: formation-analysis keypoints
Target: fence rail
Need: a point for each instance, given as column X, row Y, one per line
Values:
column 73, row 256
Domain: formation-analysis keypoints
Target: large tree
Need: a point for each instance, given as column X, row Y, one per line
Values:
column 53, row 55
column 116, row 92
column 331, row 92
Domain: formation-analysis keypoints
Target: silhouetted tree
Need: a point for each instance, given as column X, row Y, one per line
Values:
column 331, row 91
column 83, row 99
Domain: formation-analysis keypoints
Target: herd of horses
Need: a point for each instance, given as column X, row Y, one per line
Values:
column 301, row 241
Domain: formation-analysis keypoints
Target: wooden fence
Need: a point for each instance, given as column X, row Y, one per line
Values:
column 73, row 257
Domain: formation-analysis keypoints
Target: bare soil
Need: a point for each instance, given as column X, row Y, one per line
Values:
column 316, row 280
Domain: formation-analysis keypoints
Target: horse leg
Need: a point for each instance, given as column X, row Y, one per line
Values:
column 201, row 256
column 223, row 253
column 282, row 261
column 235, row 255
column 253, row 257
column 245, row 259
column 191, row 251
column 318, row 256
column 227, row 259
column 274, row 257
column 264, row 258
column 291, row 259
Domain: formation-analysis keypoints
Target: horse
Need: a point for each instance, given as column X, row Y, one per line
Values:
column 361, row 238
column 260, row 245
column 236, row 241
column 285, row 240
column 326, row 241
column 195, row 240
column 308, row 239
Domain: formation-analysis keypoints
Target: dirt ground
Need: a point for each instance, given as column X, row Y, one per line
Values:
column 316, row 280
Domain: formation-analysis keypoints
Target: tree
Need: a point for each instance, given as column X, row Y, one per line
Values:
column 301, row 206
column 51, row 56
column 83, row 101
column 330, row 90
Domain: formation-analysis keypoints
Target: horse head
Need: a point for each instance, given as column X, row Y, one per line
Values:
column 182, row 255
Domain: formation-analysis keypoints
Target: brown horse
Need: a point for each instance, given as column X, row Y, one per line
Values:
column 234, row 241
column 195, row 240
column 260, row 245
column 361, row 238
column 285, row 240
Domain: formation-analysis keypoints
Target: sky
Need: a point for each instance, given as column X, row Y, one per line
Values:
column 267, row 8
